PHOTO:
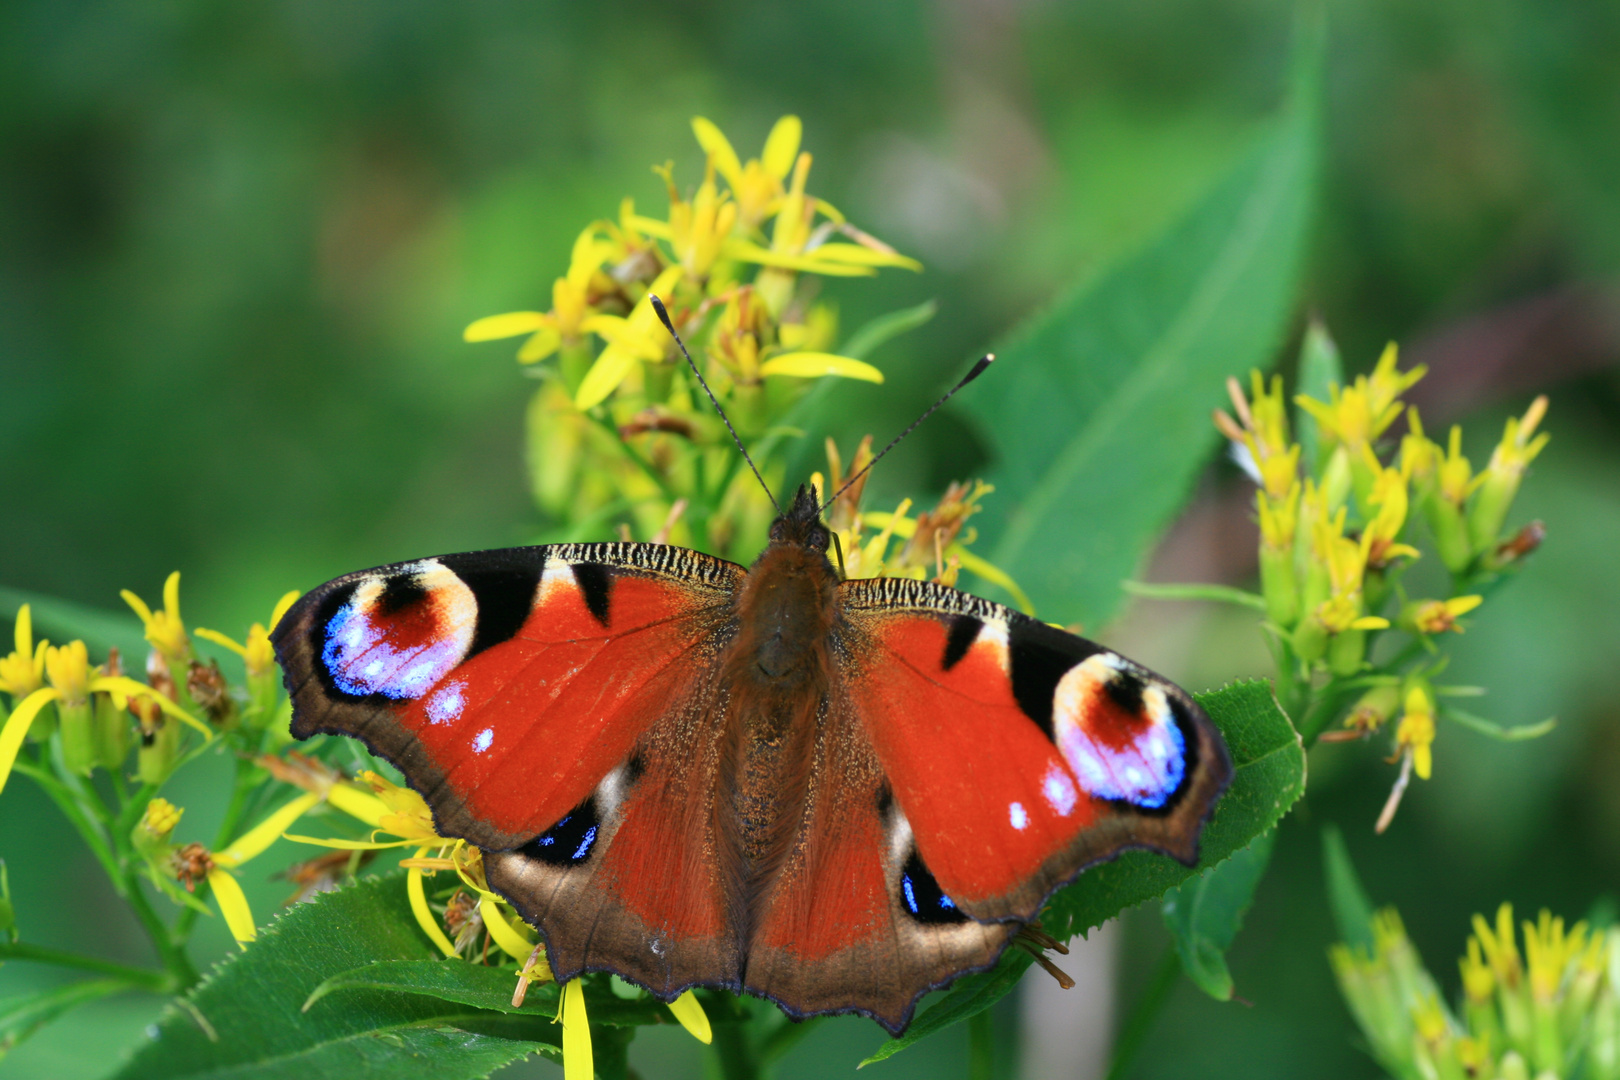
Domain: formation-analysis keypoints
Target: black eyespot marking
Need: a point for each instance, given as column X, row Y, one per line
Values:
column 569, row 842
column 400, row 592
column 595, row 583
column 964, row 631
column 1126, row 690
column 921, row 895
column 1041, row 655
column 504, row 589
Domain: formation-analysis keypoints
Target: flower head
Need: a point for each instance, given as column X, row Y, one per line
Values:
column 757, row 185
column 573, row 300
column 23, row 670
column 1438, row 616
column 1262, row 436
column 1415, row 735
column 258, row 656
column 1358, row 414
column 164, row 629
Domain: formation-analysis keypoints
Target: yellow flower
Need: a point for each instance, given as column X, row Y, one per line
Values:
column 1263, row 433
column 630, row 341
column 1416, row 731
column 1346, row 563
column 1361, row 412
column 1389, row 495
column 164, row 630
column 757, row 186
column 1548, row 950
column 72, row 683
column 23, row 671
column 1479, row 981
column 1438, row 616
column 258, row 656
column 572, row 297
column 160, row 818
column 1457, row 480
column 1499, row 482
column 737, row 345
column 698, row 230
column 1501, row 952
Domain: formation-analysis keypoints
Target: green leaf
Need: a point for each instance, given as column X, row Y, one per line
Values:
column 247, row 1020
column 967, row 997
column 1205, row 914
column 1268, row 776
column 64, row 620
column 1097, row 412
column 490, row 988
column 1482, row 726
column 25, row 1014
column 1352, row 911
column 863, row 342
column 1319, row 368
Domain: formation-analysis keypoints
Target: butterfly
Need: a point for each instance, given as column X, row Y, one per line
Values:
column 834, row 793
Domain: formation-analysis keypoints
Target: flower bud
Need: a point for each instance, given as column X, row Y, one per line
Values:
column 1374, row 708
column 207, row 686
column 159, row 740
column 150, row 836
column 1499, row 484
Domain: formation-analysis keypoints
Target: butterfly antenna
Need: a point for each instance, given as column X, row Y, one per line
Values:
column 663, row 317
column 977, row 370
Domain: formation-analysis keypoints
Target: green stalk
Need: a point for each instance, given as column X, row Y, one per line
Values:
column 981, row 1046
column 170, row 950
column 1139, row 1024
column 160, row 982
column 739, row 1058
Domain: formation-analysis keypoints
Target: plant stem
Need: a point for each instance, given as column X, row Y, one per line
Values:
column 1139, row 1024
column 739, row 1058
column 981, row 1046
column 146, row 979
column 170, row 950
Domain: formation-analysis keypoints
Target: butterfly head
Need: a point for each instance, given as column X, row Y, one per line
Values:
column 800, row 526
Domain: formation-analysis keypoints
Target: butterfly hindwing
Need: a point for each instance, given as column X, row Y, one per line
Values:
column 1020, row 754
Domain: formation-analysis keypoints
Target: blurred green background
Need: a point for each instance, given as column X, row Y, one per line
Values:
column 239, row 244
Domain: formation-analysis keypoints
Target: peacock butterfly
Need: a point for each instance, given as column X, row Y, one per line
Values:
column 837, row 794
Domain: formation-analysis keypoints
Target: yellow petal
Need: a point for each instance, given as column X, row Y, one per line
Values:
column 349, row 845
column 781, row 150
column 1462, row 605
column 424, row 915
column 652, row 227
column 544, row 342
column 511, row 324
column 861, row 255
column 1422, row 761
column 610, row 369
column 357, row 803
column 171, row 595
column 233, row 905
column 25, row 631
column 266, row 832
column 692, row 1017
column 718, row 147
column 812, row 365
column 511, row 942
column 287, row 600
column 137, row 605
column 747, row 252
column 219, row 639
column 1370, row 622
column 578, row 1062
column 17, row 724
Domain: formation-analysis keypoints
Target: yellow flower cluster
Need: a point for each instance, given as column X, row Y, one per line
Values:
column 619, row 427
column 1337, row 534
column 1550, row 1011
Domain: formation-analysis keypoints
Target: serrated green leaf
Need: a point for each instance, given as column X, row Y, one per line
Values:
column 1319, row 369
column 1205, row 914
column 488, row 988
column 967, row 997
column 1268, row 775
column 25, row 1014
column 1097, row 412
column 247, row 1020
column 1352, row 911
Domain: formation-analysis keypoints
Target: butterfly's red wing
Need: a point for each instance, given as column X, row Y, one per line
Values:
column 554, row 706
column 1016, row 753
